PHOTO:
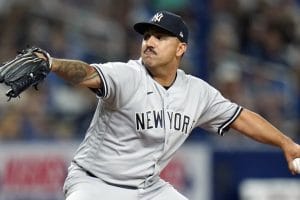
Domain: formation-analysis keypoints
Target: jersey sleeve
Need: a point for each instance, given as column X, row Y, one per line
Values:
column 119, row 81
column 219, row 112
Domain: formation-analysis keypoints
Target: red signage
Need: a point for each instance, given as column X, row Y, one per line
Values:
column 32, row 173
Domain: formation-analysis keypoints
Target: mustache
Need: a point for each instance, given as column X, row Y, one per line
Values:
column 150, row 49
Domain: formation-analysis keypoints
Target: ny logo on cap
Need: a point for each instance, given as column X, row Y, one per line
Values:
column 157, row 17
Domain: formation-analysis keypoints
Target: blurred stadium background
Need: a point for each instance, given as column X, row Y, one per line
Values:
column 249, row 50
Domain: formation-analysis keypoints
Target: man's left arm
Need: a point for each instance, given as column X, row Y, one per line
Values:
column 256, row 127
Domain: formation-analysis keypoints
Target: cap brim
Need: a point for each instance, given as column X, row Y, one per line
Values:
column 142, row 27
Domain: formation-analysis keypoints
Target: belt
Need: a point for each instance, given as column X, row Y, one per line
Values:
column 108, row 183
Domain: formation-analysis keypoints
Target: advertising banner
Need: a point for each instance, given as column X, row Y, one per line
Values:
column 270, row 189
column 36, row 171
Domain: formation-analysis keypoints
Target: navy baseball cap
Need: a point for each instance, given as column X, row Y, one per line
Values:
column 167, row 21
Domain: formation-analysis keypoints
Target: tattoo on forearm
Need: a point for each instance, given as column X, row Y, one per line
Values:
column 74, row 71
column 92, row 76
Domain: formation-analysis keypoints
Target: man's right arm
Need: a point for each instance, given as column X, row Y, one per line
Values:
column 76, row 72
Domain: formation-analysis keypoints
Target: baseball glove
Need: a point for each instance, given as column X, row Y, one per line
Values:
column 25, row 70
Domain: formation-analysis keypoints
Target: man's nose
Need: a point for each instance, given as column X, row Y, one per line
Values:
column 151, row 41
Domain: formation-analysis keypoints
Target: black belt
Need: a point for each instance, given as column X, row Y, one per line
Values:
column 112, row 184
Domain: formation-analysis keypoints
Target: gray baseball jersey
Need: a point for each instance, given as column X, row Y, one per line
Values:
column 138, row 124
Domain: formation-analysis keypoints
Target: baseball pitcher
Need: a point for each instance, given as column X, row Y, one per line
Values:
column 147, row 108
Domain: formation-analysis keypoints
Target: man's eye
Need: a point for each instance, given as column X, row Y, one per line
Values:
column 146, row 36
column 157, row 36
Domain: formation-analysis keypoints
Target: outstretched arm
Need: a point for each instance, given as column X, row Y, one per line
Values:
column 257, row 128
column 76, row 72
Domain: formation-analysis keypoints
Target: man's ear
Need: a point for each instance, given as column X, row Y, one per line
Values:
column 181, row 49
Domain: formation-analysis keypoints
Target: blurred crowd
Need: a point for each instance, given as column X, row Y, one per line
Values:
column 254, row 57
column 249, row 50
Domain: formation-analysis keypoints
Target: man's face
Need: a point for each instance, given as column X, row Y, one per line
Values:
column 159, row 48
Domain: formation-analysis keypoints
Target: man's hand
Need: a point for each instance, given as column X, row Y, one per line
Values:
column 292, row 151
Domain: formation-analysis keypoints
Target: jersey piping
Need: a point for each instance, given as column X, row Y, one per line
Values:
column 104, row 91
column 225, row 127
